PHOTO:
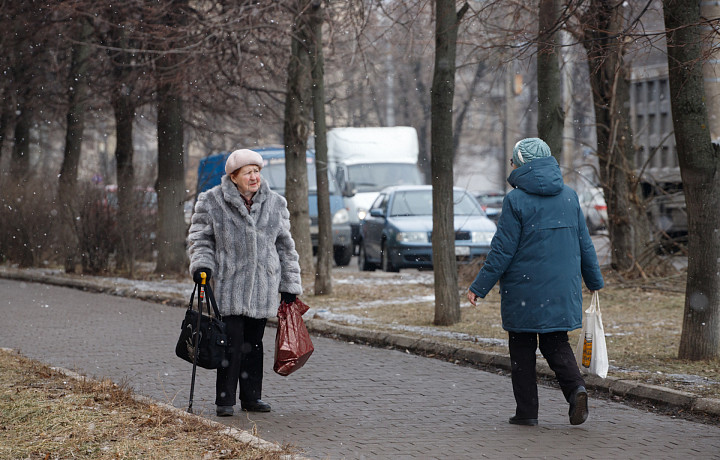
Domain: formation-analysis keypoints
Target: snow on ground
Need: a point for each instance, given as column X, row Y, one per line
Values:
column 423, row 330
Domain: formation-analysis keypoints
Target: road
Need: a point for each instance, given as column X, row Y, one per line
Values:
column 349, row 401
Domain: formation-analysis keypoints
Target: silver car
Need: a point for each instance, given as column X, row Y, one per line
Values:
column 592, row 202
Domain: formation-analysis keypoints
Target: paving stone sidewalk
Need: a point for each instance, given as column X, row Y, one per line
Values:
column 349, row 401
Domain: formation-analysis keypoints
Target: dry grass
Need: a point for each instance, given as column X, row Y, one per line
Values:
column 642, row 319
column 45, row 414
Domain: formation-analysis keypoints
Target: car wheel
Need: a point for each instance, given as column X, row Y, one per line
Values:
column 387, row 265
column 342, row 255
column 363, row 264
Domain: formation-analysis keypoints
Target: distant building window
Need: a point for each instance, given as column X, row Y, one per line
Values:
column 664, row 123
column 651, row 124
column 639, row 93
column 663, row 89
column 651, row 96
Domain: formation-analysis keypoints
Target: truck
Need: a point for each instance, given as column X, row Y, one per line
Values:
column 212, row 168
column 368, row 159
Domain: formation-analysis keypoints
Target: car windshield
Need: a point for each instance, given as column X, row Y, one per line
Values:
column 375, row 177
column 274, row 175
column 419, row 203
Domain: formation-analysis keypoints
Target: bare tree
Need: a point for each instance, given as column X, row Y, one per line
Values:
column 699, row 162
column 447, row 302
column 75, row 119
column 603, row 27
column 170, row 183
column 26, row 55
column 551, row 115
column 323, row 276
column 296, row 130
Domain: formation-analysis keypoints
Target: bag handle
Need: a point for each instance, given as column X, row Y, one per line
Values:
column 211, row 297
column 210, row 300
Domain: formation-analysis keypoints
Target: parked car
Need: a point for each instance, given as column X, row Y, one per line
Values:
column 592, row 202
column 491, row 203
column 397, row 231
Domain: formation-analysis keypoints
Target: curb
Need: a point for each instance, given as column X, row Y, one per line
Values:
column 238, row 435
column 613, row 386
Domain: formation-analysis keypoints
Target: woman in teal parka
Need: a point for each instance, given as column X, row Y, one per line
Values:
column 541, row 253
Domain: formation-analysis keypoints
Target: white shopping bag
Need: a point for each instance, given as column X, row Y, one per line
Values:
column 591, row 351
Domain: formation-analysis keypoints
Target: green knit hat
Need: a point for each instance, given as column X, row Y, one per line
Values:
column 529, row 149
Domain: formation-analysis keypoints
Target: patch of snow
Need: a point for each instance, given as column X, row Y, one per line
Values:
column 423, row 330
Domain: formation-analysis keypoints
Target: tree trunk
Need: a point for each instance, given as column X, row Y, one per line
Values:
column 296, row 131
column 699, row 166
column 4, row 123
column 551, row 115
column 323, row 270
column 20, row 159
column 628, row 226
column 170, row 184
column 124, row 152
column 67, row 187
column 447, row 302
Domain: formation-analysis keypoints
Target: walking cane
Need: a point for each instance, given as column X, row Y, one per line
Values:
column 201, row 293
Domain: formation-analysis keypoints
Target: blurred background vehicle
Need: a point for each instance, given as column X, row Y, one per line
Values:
column 491, row 203
column 592, row 202
column 365, row 160
column 397, row 231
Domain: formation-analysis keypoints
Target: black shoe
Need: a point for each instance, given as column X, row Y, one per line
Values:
column 255, row 406
column 515, row 420
column 224, row 411
column 578, row 406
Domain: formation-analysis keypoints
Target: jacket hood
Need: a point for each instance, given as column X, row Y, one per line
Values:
column 538, row 177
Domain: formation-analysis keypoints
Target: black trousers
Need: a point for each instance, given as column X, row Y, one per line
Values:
column 555, row 348
column 245, row 361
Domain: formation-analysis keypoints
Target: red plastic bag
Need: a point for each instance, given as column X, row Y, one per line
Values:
column 293, row 346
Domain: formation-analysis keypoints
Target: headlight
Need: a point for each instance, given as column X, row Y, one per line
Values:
column 341, row 216
column 412, row 237
column 482, row 237
column 361, row 213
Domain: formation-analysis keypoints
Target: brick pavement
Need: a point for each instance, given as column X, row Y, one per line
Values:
column 349, row 401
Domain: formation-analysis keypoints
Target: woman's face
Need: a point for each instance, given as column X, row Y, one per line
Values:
column 247, row 179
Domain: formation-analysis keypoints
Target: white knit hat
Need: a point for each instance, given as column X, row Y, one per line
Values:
column 240, row 158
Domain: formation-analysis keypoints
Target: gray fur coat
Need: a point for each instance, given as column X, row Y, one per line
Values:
column 252, row 255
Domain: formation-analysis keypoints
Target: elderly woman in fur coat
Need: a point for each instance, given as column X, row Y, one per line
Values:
column 240, row 236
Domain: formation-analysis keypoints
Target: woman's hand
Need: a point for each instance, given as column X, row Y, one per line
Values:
column 472, row 297
column 198, row 278
column 287, row 297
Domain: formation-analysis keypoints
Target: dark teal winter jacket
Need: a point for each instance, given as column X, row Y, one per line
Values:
column 541, row 253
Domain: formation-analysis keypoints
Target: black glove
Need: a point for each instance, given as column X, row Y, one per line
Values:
column 287, row 297
column 196, row 275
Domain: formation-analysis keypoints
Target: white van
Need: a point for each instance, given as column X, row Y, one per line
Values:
column 366, row 160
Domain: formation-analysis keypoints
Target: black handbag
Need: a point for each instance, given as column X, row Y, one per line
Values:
column 203, row 340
